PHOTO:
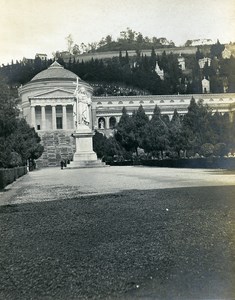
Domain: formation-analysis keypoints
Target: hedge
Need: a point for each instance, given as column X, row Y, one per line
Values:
column 7, row 176
column 201, row 163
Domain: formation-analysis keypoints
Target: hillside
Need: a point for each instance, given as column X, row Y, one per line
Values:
column 131, row 53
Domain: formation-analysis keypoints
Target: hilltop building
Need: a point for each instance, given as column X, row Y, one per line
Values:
column 42, row 56
column 226, row 54
column 201, row 42
column 48, row 101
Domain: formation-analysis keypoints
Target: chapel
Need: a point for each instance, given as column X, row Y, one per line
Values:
column 47, row 104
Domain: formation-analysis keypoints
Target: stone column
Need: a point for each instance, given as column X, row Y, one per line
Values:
column 43, row 118
column 33, row 116
column 64, row 117
column 231, row 116
column 118, row 119
column 106, row 122
column 53, row 111
column 93, row 118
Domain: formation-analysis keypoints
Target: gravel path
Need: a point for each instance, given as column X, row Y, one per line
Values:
column 118, row 233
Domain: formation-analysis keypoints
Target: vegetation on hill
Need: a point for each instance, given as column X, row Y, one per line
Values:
column 136, row 75
column 128, row 40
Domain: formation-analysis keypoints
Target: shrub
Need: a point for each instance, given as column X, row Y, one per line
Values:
column 207, row 149
column 15, row 160
column 220, row 149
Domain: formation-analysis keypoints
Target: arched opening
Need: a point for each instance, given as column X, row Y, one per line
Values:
column 101, row 123
column 112, row 122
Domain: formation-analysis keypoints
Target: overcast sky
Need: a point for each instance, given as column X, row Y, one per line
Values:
column 41, row 26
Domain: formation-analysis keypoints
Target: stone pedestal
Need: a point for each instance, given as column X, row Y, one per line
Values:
column 84, row 155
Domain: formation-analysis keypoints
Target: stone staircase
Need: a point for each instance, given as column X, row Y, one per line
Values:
column 58, row 145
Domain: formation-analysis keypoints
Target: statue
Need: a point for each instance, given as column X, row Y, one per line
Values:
column 83, row 103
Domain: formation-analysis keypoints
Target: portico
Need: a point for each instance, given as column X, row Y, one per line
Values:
column 46, row 115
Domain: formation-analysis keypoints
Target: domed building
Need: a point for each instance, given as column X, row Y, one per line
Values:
column 48, row 103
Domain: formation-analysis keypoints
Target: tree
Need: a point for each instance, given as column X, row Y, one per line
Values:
column 156, row 134
column 76, row 50
column 8, row 110
column 124, row 133
column 18, row 142
column 108, row 39
column 25, row 141
column 196, row 125
column 139, row 38
column 69, row 43
column 153, row 59
column 217, row 49
column 177, row 140
column 99, row 141
column 140, row 121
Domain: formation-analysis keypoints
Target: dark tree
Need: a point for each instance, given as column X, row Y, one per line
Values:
column 156, row 137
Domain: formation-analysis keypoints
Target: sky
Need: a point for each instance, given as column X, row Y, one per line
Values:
column 28, row 27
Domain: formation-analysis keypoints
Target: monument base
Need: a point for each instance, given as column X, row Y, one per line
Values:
column 84, row 157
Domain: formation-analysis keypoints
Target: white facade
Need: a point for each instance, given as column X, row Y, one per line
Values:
column 205, row 86
column 42, row 56
column 203, row 61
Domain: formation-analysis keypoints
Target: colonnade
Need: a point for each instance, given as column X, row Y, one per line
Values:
column 52, row 117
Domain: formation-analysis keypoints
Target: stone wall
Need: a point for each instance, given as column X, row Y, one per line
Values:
column 58, row 145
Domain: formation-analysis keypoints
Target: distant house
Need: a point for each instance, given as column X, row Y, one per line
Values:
column 200, row 42
column 41, row 56
column 205, row 86
column 27, row 60
column 203, row 61
column 226, row 53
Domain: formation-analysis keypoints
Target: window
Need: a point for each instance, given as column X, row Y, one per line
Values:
column 59, row 122
column 38, row 127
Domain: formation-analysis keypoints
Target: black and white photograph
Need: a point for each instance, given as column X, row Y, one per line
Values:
column 117, row 150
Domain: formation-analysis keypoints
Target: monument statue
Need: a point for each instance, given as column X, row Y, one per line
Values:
column 84, row 155
column 83, row 103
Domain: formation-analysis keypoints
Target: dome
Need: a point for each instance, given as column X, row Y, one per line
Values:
column 55, row 71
